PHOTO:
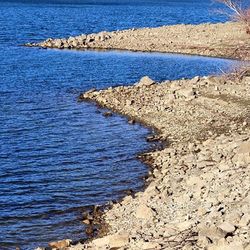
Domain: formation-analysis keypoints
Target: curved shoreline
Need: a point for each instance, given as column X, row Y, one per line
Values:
column 198, row 196
column 178, row 210
column 223, row 40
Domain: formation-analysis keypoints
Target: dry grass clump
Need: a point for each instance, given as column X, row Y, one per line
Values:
column 237, row 12
column 237, row 73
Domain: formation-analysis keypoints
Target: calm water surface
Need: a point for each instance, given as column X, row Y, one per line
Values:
column 58, row 155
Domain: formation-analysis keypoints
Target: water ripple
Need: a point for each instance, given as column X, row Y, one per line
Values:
column 58, row 156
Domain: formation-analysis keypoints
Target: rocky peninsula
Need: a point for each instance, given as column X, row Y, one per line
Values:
column 228, row 40
column 198, row 196
column 198, row 192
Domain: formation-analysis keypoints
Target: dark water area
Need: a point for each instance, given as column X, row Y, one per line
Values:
column 57, row 155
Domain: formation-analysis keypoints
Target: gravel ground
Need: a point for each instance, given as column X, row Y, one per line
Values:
column 198, row 194
column 227, row 40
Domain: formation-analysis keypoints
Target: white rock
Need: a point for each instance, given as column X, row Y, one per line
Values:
column 195, row 180
column 182, row 226
column 118, row 240
column 222, row 244
column 227, row 227
column 148, row 245
column 113, row 241
column 144, row 212
column 203, row 241
column 101, row 242
column 245, row 220
column 244, row 148
column 129, row 102
column 145, row 81
column 212, row 233
column 195, row 80
column 187, row 93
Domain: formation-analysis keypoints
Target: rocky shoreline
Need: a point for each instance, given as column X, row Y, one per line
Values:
column 227, row 40
column 199, row 191
column 198, row 194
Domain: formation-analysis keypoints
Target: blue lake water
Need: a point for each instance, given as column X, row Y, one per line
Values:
column 57, row 155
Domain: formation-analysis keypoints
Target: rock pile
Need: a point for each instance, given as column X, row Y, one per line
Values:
column 198, row 196
column 199, row 199
column 78, row 42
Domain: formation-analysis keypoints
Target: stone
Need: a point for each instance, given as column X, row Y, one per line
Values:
column 247, row 247
column 212, row 232
column 219, row 245
column 61, row 244
column 107, row 114
column 244, row 148
column 129, row 102
column 144, row 212
column 148, row 245
column 222, row 244
column 236, row 246
column 202, row 211
column 101, row 242
column 87, row 222
column 118, row 240
column 90, row 39
column 171, row 98
column 145, row 81
column 233, row 217
column 102, row 37
column 131, row 121
column 90, row 91
column 195, row 180
column 113, row 241
column 247, row 79
column 182, row 226
column 211, row 80
column 227, row 227
column 187, row 93
column 195, row 80
column 127, row 199
column 245, row 220
column 75, row 43
column 57, row 43
column 202, row 242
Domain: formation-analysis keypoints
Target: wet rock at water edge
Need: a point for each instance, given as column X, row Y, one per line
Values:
column 145, row 82
column 107, row 114
column 86, row 222
column 61, row 244
column 131, row 121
